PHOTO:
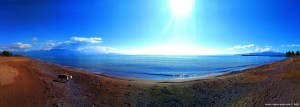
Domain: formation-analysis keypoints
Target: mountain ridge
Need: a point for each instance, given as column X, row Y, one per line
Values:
column 266, row 53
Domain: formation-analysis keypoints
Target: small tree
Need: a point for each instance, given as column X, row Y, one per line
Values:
column 298, row 53
column 6, row 53
column 293, row 53
column 289, row 53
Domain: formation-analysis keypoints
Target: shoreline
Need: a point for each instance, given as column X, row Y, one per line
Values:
column 203, row 76
column 276, row 82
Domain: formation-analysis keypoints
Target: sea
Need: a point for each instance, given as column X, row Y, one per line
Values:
column 159, row 67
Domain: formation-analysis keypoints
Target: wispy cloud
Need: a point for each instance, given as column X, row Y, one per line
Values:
column 83, row 44
column 264, row 49
column 241, row 47
column 21, row 45
column 73, row 43
column 97, row 49
column 48, row 45
column 18, row 46
column 34, row 40
column 293, row 45
column 88, row 40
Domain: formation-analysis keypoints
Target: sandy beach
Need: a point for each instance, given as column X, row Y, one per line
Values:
column 27, row 82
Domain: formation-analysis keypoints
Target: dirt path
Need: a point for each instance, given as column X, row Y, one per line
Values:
column 7, row 75
column 26, row 87
column 37, row 85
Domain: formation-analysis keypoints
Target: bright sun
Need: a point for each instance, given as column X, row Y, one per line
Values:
column 181, row 7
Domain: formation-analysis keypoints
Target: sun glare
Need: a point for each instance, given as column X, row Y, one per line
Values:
column 171, row 49
column 181, row 7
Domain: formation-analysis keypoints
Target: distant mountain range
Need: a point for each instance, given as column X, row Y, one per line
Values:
column 49, row 52
column 67, row 52
column 266, row 53
column 57, row 52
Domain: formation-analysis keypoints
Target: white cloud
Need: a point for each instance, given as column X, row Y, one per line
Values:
column 49, row 45
column 97, row 49
column 73, row 43
column 21, row 45
column 293, row 45
column 88, row 40
column 18, row 46
column 241, row 47
column 265, row 49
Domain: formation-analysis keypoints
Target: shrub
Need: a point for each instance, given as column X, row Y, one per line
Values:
column 298, row 53
column 288, row 53
column 292, row 53
column 6, row 53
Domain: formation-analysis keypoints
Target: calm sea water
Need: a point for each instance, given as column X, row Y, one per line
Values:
column 160, row 67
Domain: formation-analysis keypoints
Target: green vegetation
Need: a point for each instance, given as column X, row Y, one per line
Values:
column 297, row 53
column 292, row 53
column 288, row 53
column 6, row 53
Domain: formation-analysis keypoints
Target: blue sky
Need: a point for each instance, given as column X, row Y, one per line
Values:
column 151, row 26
